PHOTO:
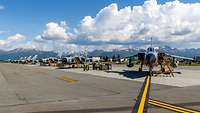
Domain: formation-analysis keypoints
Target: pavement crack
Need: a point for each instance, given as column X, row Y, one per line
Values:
column 102, row 88
column 21, row 98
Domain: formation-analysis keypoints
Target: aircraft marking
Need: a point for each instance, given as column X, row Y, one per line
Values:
column 171, row 106
column 67, row 79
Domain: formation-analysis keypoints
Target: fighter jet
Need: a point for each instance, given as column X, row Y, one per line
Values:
column 152, row 58
column 29, row 58
column 34, row 59
column 52, row 61
column 43, row 62
column 74, row 61
column 23, row 60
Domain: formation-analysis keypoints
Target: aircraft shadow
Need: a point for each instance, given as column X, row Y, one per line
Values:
column 130, row 73
column 63, row 68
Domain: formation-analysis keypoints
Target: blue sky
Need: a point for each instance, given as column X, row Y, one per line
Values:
column 30, row 16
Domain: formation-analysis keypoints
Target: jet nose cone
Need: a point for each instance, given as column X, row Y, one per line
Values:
column 150, row 59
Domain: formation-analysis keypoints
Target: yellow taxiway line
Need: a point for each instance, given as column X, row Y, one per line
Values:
column 144, row 95
column 67, row 79
column 171, row 107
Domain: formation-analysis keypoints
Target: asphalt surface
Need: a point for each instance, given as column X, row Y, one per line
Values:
column 31, row 89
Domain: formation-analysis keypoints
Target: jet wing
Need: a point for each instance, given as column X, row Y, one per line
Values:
column 180, row 57
column 133, row 57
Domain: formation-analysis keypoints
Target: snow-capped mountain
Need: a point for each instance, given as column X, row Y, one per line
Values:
column 20, row 52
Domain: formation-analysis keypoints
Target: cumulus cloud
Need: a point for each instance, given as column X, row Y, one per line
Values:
column 173, row 23
column 55, row 31
column 109, row 24
column 12, row 41
column 38, row 39
column 16, row 38
column 170, row 23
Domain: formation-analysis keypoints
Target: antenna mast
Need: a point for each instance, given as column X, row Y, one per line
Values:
column 151, row 42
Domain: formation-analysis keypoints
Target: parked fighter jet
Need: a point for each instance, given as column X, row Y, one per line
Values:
column 43, row 62
column 22, row 60
column 34, row 59
column 52, row 61
column 152, row 58
column 28, row 60
column 75, row 61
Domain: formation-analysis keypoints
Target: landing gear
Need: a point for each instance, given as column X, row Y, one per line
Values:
column 86, row 67
column 140, row 69
column 150, row 71
column 130, row 65
column 163, row 69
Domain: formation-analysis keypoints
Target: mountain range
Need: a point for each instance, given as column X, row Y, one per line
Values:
column 20, row 52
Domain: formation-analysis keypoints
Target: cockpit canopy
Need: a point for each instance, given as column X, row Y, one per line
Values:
column 150, row 49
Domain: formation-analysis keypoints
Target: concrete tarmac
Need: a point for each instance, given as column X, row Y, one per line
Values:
column 32, row 89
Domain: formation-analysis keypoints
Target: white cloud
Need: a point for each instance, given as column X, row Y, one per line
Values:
column 16, row 38
column 109, row 24
column 169, row 23
column 174, row 23
column 55, row 31
column 38, row 39
column 12, row 42
column 3, row 42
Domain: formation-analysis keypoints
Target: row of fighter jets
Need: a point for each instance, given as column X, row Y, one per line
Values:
column 75, row 61
column 25, row 60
